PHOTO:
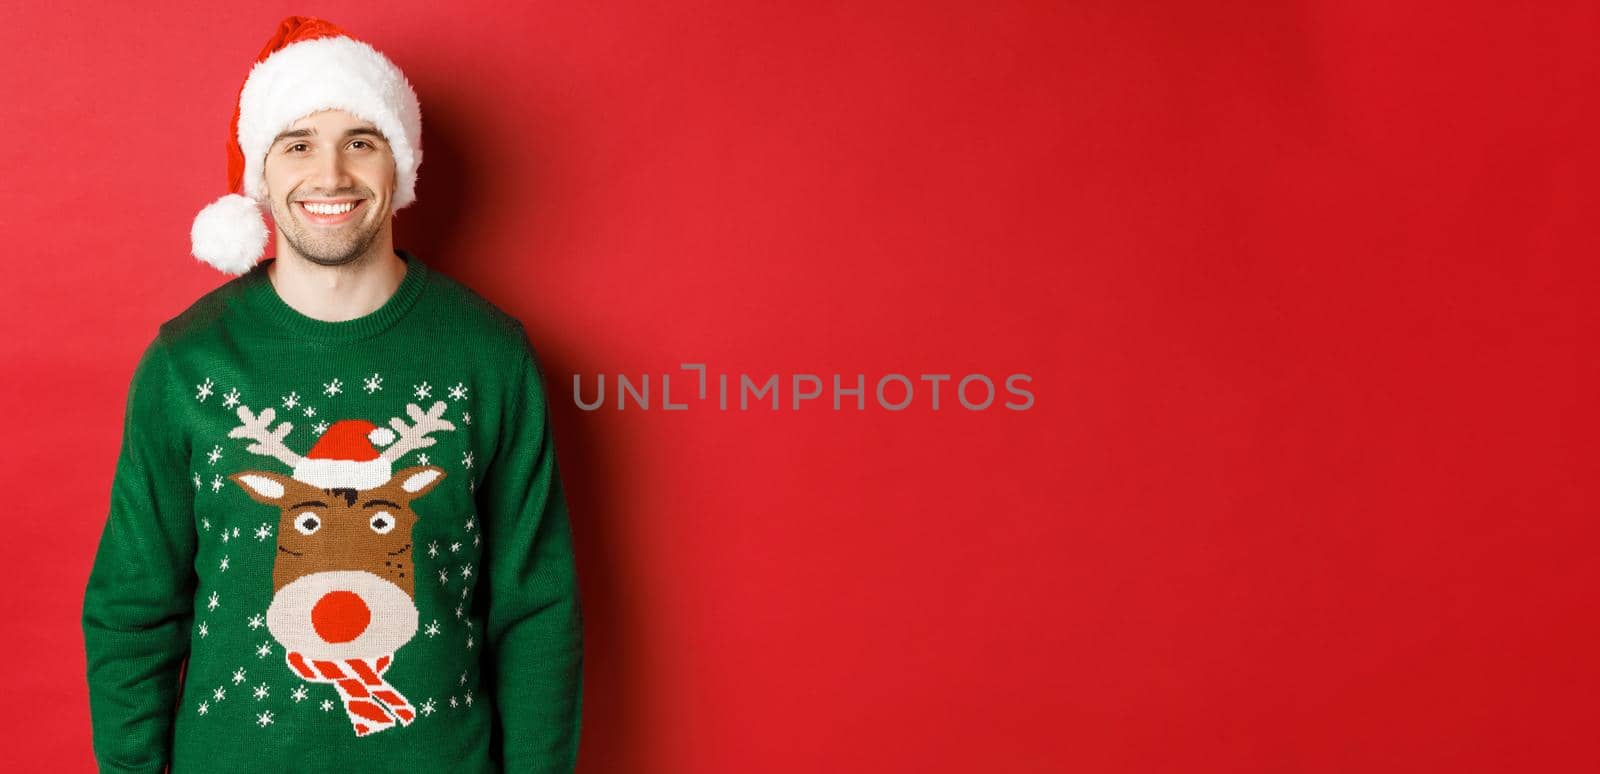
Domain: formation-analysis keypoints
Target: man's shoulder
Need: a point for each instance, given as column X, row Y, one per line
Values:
column 199, row 321
column 475, row 314
column 457, row 312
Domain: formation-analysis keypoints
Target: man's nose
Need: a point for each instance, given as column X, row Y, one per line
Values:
column 332, row 172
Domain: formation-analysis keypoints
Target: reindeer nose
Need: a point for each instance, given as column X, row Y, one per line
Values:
column 340, row 616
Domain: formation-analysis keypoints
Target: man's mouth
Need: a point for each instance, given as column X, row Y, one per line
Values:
column 333, row 212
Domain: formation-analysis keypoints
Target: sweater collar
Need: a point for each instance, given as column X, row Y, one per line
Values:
column 262, row 300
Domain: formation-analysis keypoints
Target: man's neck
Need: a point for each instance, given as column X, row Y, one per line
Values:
column 336, row 293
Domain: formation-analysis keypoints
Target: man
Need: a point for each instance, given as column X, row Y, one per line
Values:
column 337, row 534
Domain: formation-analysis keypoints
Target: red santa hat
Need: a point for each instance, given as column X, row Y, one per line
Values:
column 308, row 66
column 344, row 457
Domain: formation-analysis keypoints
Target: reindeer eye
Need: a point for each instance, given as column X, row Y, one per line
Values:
column 382, row 522
column 307, row 523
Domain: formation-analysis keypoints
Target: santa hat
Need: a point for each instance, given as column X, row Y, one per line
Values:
column 344, row 457
column 309, row 65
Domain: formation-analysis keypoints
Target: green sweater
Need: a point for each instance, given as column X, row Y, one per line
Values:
column 356, row 534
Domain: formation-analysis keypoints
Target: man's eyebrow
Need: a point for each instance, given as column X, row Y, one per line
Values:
column 296, row 133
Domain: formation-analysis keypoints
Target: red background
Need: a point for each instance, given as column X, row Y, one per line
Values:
column 1304, row 289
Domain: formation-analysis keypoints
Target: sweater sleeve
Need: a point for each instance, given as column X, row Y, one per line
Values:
column 138, row 605
column 534, row 625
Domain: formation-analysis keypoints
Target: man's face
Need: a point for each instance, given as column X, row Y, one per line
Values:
column 328, row 161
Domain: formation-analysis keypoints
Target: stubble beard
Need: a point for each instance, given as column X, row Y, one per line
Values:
column 337, row 249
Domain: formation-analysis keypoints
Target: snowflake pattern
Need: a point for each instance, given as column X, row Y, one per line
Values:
column 292, row 401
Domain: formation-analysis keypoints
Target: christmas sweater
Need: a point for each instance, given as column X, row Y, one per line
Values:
column 336, row 546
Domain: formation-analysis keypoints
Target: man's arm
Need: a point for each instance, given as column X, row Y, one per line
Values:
column 139, row 602
column 535, row 627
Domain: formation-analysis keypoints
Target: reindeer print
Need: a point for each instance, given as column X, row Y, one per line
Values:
column 343, row 577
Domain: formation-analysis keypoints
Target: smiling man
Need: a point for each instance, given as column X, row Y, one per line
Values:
column 330, row 180
column 337, row 534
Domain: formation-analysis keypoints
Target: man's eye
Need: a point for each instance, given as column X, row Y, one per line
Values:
column 292, row 148
column 363, row 142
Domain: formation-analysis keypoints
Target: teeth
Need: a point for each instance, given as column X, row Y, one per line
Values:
column 329, row 209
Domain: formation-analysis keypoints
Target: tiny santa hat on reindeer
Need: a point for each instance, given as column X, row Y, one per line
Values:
column 308, row 66
column 344, row 457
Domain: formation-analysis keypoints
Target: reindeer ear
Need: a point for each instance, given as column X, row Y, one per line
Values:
column 263, row 485
column 416, row 481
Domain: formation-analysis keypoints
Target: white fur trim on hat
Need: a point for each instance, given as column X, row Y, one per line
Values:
column 322, row 74
column 230, row 234
column 333, row 474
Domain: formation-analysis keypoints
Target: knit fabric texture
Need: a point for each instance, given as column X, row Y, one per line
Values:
column 334, row 546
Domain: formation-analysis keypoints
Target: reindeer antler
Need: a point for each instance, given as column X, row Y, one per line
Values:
column 415, row 436
column 267, row 442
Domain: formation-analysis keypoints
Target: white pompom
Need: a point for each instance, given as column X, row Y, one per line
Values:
column 381, row 436
column 230, row 234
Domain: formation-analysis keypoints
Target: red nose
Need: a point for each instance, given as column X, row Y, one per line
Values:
column 340, row 616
